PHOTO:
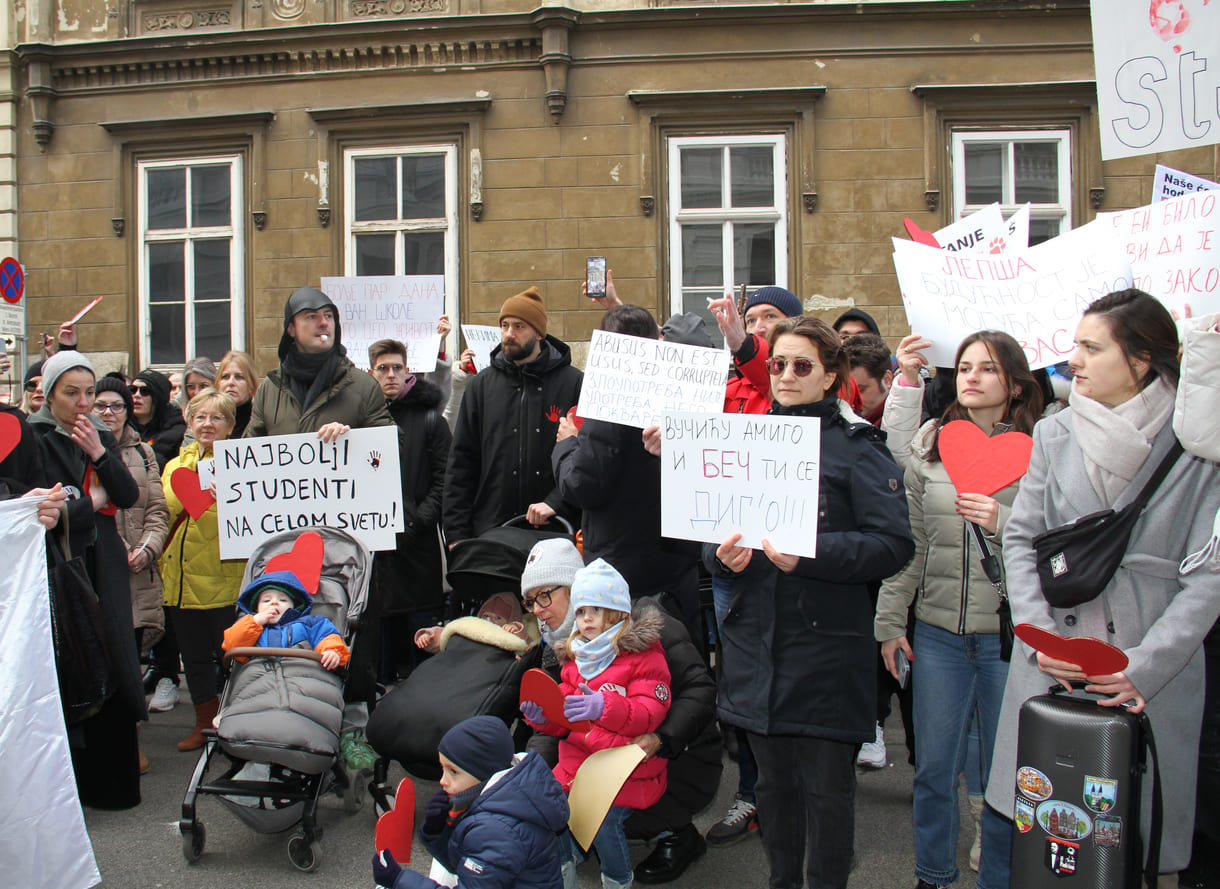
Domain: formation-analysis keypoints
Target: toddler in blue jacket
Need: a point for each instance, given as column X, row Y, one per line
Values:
column 276, row 614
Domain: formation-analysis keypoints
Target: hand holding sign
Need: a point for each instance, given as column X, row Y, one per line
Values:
column 395, row 828
column 540, row 688
column 1092, row 656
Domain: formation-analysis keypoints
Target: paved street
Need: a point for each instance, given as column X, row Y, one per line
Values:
column 141, row 848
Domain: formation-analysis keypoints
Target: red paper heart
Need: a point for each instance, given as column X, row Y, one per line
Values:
column 919, row 235
column 10, row 435
column 395, row 827
column 185, row 482
column 540, row 688
column 982, row 464
column 304, row 560
column 1094, row 657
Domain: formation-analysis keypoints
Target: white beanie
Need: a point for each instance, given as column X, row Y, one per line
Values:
column 59, row 364
column 552, row 562
column 598, row 584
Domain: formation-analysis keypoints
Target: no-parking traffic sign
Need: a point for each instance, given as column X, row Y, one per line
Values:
column 12, row 291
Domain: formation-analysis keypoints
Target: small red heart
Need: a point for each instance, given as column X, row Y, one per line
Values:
column 1094, row 657
column 539, row 687
column 10, row 435
column 395, row 827
column 919, row 235
column 982, row 464
column 304, row 560
column 185, row 482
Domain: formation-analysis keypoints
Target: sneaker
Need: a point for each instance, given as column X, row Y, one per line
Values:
column 355, row 752
column 165, row 697
column 739, row 823
column 872, row 754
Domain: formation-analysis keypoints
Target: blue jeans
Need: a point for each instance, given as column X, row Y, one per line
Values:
column 611, row 846
column 952, row 677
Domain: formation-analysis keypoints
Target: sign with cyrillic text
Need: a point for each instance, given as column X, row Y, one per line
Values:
column 286, row 482
column 635, row 382
column 483, row 339
column 755, row 474
column 396, row 307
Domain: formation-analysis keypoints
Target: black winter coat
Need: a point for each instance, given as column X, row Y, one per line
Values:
column 798, row 650
column 21, row 467
column 500, row 461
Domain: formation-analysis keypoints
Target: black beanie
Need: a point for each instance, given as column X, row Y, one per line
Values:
column 479, row 746
column 112, row 384
column 857, row 315
column 304, row 298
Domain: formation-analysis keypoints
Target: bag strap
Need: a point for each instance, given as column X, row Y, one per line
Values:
column 1154, row 481
column 1154, row 829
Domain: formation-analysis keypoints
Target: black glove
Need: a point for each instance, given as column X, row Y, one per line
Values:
column 385, row 869
column 436, row 813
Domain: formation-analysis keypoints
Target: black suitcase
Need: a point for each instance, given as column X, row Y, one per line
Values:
column 1077, row 804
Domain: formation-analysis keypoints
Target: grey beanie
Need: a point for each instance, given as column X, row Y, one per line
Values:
column 59, row 364
column 552, row 562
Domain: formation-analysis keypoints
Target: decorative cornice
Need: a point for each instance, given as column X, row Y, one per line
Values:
column 429, row 108
column 687, row 98
column 188, row 124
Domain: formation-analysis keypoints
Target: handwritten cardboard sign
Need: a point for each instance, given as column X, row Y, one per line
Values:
column 483, row 339
column 725, row 473
column 399, row 307
column 1170, row 183
column 635, row 382
column 1158, row 69
column 285, row 482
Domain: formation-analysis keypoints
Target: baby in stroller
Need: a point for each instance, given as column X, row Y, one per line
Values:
column 276, row 615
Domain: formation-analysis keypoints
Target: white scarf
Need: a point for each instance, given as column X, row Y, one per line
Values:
column 1117, row 440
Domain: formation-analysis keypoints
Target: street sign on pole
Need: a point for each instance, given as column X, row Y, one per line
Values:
column 12, row 293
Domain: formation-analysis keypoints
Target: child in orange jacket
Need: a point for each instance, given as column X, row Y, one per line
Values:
column 276, row 608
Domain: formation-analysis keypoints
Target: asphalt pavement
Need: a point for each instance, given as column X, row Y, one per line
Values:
column 142, row 848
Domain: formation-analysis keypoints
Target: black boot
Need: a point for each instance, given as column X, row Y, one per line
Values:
column 672, row 856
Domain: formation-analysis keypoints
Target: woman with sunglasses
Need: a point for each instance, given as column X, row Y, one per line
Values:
column 955, row 650
column 158, row 423
column 799, row 658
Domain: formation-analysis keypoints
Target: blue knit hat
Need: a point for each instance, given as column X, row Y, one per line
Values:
column 479, row 746
column 784, row 300
column 598, row 584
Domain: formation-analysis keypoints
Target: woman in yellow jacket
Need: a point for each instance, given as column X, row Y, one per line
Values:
column 200, row 589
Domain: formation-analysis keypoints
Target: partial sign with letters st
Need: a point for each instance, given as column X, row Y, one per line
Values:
column 755, row 474
column 286, row 482
column 398, row 307
column 635, row 382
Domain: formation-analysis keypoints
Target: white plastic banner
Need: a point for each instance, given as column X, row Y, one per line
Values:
column 635, row 382
column 483, row 339
column 285, row 482
column 1170, row 183
column 43, row 841
column 755, row 474
column 397, row 307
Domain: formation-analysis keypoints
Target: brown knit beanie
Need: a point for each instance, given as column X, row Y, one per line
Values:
column 526, row 305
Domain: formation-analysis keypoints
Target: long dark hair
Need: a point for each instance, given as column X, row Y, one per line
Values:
column 1144, row 330
column 1022, row 410
column 830, row 349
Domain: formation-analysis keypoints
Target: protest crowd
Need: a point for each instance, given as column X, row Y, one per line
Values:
column 685, row 651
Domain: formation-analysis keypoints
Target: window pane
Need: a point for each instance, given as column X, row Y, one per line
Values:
column 423, row 186
column 1043, row 230
column 167, row 197
column 753, row 172
column 424, row 253
column 753, row 254
column 984, row 173
column 1037, row 172
column 212, row 269
column 168, row 335
column 210, row 196
column 375, row 254
column 166, row 272
column 376, row 188
column 701, row 178
column 212, row 328
column 702, row 256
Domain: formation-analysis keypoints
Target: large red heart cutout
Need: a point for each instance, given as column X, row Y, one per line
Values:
column 395, row 827
column 304, row 560
column 1094, row 657
column 982, row 464
column 185, row 482
column 540, row 688
column 10, row 435
column 919, row 235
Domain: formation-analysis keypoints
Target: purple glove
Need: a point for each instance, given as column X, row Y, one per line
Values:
column 385, row 869
column 586, row 706
column 436, row 813
column 532, row 711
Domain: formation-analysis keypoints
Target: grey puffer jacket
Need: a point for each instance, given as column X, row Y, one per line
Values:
column 945, row 578
column 144, row 524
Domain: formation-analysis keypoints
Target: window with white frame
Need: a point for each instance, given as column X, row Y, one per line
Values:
column 191, row 276
column 728, row 216
column 1015, row 168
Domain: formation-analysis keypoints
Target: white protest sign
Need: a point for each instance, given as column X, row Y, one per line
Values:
column 483, row 339
column 1170, row 183
column 398, row 307
column 283, row 482
column 1036, row 295
column 206, row 469
column 749, row 473
column 983, row 231
column 1018, row 230
column 1157, row 70
column 634, row 381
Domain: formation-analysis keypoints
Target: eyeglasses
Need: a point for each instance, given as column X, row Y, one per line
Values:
column 390, row 368
column 802, row 367
column 542, row 598
column 100, row 407
column 142, row 391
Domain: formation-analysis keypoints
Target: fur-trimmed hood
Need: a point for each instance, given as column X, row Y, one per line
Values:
column 644, row 632
column 479, row 630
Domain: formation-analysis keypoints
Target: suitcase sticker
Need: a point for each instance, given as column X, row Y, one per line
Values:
column 1063, row 820
column 1108, row 831
column 1060, row 857
column 1023, row 814
column 1034, row 783
column 1100, row 794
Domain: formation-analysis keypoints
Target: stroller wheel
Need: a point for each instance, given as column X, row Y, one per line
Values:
column 304, row 855
column 193, row 842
